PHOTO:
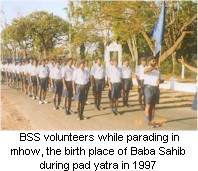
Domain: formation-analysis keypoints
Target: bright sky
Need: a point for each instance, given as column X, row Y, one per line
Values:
column 11, row 8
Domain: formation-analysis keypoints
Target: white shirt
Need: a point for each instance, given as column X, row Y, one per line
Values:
column 34, row 70
column 56, row 73
column 98, row 72
column 115, row 74
column 13, row 68
column 67, row 73
column 29, row 66
column 126, row 72
column 18, row 68
column 43, row 71
column 140, row 71
column 5, row 67
column 25, row 69
column 80, row 77
column 9, row 68
column 152, row 77
column 22, row 68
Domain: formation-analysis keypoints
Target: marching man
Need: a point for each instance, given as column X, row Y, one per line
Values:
column 67, row 73
column 152, row 79
column 140, row 81
column 115, row 86
column 79, row 82
column 127, row 83
column 98, row 81
column 57, row 84
column 43, row 73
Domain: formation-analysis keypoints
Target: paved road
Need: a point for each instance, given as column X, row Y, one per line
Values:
column 174, row 109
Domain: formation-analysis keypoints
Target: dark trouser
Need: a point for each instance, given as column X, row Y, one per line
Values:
column 115, row 94
column 127, row 85
column 35, row 85
column 152, row 95
column 43, row 88
column 97, row 91
column 58, row 87
column 68, row 94
column 87, row 91
column 81, row 92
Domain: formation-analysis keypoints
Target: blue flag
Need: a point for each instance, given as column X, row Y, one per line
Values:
column 158, row 32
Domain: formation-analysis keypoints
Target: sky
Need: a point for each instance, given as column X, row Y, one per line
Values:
column 12, row 8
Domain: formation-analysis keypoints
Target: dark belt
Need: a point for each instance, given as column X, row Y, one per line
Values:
column 57, row 80
column 126, row 78
column 43, row 78
column 82, row 86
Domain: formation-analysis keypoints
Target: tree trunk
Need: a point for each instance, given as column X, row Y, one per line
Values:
column 171, row 50
column 131, row 49
column 134, row 43
column 148, row 40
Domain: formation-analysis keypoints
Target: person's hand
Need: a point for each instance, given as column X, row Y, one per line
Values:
column 110, row 87
column 65, row 88
column 158, row 81
column 181, row 60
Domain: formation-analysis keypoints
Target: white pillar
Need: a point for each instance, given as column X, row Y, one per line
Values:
column 183, row 71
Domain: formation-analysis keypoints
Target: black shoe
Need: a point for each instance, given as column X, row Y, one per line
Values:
column 71, row 112
column 96, row 108
column 127, row 105
column 117, row 113
column 100, row 108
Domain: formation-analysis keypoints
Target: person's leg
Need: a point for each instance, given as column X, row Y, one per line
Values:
column 59, row 100
column 78, row 105
column 140, row 100
column 40, row 95
column 99, row 100
column 95, row 99
column 65, row 106
column 152, row 114
column 127, row 97
column 116, row 107
column 123, row 97
column 54, row 101
column 69, row 105
column 44, row 94
column 147, row 113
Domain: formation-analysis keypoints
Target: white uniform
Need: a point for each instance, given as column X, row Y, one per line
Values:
column 25, row 69
column 5, row 67
column 18, row 68
column 126, row 72
column 115, row 74
column 140, row 71
column 29, row 66
column 43, row 71
column 67, row 73
column 34, row 70
column 152, row 77
column 56, row 73
column 98, row 72
column 80, row 77
column 13, row 69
